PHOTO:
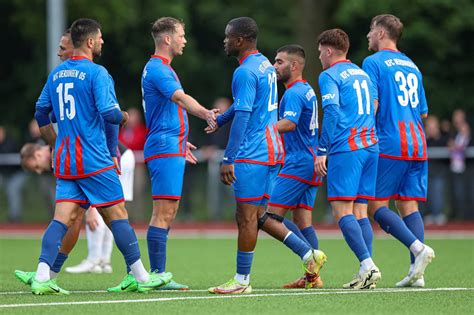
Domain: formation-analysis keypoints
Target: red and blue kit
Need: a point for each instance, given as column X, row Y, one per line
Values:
column 167, row 124
column 402, row 140
column 348, row 95
column 254, row 89
column 79, row 91
column 296, row 184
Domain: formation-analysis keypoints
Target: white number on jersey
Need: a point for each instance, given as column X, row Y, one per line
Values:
column 64, row 98
column 143, row 101
column 358, row 87
column 313, row 125
column 273, row 97
column 410, row 95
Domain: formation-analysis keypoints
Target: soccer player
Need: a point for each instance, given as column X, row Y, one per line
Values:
column 296, row 185
column 253, row 153
column 402, row 168
column 165, row 105
column 65, row 46
column 80, row 93
column 348, row 143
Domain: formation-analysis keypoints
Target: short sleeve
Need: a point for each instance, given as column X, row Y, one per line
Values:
column 244, row 89
column 43, row 104
column 329, row 90
column 291, row 107
column 166, row 81
column 370, row 67
column 104, row 91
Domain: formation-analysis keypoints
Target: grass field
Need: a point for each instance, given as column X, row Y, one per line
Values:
column 202, row 263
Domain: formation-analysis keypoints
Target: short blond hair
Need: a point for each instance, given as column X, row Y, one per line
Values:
column 27, row 152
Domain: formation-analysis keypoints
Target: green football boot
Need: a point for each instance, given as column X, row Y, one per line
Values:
column 231, row 287
column 156, row 280
column 47, row 288
column 173, row 285
column 128, row 284
column 26, row 277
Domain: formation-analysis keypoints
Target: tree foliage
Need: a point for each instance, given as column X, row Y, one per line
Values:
column 438, row 37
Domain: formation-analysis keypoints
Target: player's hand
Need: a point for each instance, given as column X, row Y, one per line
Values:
column 92, row 218
column 211, row 117
column 227, row 174
column 210, row 130
column 190, row 157
column 124, row 119
column 117, row 165
column 320, row 165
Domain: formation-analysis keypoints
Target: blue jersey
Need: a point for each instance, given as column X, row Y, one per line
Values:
column 78, row 91
column 299, row 105
column 402, row 101
column 254, row 89
column 166, row 121
column 346, row 85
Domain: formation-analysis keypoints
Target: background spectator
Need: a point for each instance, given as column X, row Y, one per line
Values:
column 457, row 146
column 437, row 173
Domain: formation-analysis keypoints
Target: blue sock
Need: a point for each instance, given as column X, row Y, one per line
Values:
column 414, row 222
column 367, row 233
column 59, row 262
column 309, row 234
column 353, row 236
column 244, row 262
column 391, row 223
column 126, row 240
column 290, row 225
column 128, row 269
column 156, row 239
column 296, row 244
column 52, row 242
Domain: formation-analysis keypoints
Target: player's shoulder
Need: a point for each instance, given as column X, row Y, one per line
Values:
column 244, row 71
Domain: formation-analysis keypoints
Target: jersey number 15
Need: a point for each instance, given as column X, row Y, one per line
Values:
column 65, row 97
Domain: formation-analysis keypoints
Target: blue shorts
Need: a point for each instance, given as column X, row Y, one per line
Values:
column 167, row 175
column 100, row 190
column 352, row 174
column 401, row 179
column 254, row 182
column 290, row 193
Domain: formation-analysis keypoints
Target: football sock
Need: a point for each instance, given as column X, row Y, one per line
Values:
column 139, row 271
column 50, row 248
column 58, row 263
column 94, row 242
column 156, row 239
column 42, row 272
column 294, row 243
column 290, row 225
column 126, row 241
column 244, row 264
column 391, row 223
column 366, row 265
column 416, row 247
column 311, row 237
column 242, row 279
column 367, row 233
column 414, row 222
column 353, row 236
column 107, row 246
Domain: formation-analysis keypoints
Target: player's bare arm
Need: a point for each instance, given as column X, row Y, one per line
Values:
column 48, row 134
column 192, row 106
column 285, row 125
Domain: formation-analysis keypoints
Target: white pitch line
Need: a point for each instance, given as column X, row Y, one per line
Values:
column 211, row 297
column 254, row 290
